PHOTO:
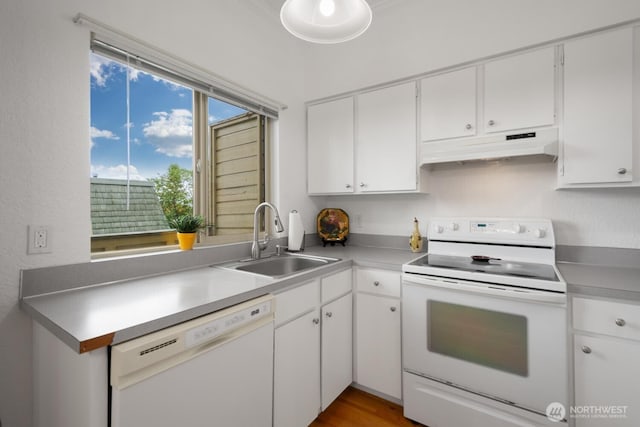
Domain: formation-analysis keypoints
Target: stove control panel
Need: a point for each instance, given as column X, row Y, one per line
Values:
column 525, row 231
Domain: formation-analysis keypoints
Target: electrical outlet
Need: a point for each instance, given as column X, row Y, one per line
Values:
column 358, row 221
column 39, row 239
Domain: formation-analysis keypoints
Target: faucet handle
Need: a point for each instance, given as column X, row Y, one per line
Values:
column 266, row 240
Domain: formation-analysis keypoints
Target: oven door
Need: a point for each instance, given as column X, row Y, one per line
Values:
column 505, row 343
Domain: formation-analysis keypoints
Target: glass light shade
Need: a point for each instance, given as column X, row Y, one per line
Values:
column 326, row 21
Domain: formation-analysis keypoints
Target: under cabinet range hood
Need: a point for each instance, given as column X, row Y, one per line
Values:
column 516, row 144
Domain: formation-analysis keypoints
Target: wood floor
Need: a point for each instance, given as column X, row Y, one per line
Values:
column 355, row 408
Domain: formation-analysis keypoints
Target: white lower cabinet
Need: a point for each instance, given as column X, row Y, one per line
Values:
column 337, row 348
column 606, row 351
column 296, row 380
column 607, row 390
column 378, row 344
column 313, row 348
column 378, row 314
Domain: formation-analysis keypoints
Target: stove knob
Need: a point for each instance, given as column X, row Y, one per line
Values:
column 454, row 226
column 518, row 228
column 439, row 228
column 540, row 233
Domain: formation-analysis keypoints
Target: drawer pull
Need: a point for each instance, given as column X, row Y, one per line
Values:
column 376, row 283
column 620, row 322
column 328, row 314
column 586, row 349
column 316, row 321
column 393, row 309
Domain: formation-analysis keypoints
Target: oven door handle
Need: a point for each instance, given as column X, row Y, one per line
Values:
column 486, row 289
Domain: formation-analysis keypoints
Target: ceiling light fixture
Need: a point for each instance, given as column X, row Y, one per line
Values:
column 326, row 21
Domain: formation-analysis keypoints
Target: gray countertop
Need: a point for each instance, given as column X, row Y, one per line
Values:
column 601, row 280
column 91, row 317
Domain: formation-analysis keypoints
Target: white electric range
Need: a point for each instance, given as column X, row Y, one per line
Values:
column 484, row 325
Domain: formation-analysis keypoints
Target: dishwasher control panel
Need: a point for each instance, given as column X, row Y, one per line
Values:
column 213, row 329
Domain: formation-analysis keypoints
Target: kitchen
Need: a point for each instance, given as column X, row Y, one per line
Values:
column 45, row 116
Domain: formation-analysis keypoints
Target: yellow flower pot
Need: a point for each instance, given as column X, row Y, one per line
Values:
column 186, row 240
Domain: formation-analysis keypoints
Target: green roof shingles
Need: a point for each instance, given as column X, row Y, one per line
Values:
column 109, row 214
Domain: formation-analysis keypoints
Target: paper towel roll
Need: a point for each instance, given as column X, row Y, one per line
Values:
column 296, row 231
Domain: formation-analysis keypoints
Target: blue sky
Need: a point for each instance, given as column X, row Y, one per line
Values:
column 161, row 122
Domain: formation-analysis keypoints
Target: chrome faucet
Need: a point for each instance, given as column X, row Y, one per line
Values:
column 258, row 246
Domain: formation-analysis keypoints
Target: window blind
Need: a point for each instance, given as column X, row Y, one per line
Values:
column 116, row 45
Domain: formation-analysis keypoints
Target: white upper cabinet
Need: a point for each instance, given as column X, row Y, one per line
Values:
column 330, row 132
column 516, row 92
column 386, row 143
column 598, row 98
column 448, row 105
column 519, row 91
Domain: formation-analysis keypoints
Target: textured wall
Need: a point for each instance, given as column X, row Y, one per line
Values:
column 44, row 129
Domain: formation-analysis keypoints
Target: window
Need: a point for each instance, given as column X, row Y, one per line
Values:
column 162, row 146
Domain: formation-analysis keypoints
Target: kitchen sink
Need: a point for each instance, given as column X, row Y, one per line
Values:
column 281, row 265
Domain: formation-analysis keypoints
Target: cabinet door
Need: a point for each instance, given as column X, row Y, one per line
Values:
column 378, row 363
column 606, row 375
column 519, row 91
column 448, row 105
column 598, row 108
column 330, row 147
column 386, row 146
column 296, row 379
column 337, row 345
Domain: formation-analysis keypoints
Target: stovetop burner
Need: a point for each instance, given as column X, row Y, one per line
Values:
column 491, row 266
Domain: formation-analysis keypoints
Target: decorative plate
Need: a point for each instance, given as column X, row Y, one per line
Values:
column 333, row 226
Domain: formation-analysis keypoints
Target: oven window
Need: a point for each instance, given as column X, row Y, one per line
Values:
column 490, row 338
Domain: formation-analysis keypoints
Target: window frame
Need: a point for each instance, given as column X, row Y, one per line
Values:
column 120, row 47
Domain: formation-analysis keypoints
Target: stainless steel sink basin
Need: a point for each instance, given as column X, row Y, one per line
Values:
column 283, row 265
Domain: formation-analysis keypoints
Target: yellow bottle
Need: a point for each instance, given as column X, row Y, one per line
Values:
column 415, row 242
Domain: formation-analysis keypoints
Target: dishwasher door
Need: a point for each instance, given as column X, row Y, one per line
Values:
column 212, row 371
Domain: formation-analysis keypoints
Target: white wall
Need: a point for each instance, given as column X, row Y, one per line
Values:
column 44, row 129
column 44, row 121
column 411, row 37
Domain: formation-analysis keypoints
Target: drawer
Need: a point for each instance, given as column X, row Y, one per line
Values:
column 382, row 282
column 336, row 285
column 294, row 302
column 607, row 317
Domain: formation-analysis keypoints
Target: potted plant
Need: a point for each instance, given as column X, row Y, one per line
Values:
column 186, row 227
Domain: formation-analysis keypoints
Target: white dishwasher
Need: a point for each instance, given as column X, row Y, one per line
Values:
column 215, row 370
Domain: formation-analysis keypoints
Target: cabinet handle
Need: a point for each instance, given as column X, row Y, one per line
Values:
column 362, row 185
column 316, row 321
column 586, row 349
column 622, row 171
column 347, row 186
column 376, row 283
column 468, row 126
column 620, row 322
column 491, row 122
column 393, row 309
column 329, row 314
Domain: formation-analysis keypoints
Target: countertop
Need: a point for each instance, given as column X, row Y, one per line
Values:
column 91, row 317
column 601, row 280
column 88, row 318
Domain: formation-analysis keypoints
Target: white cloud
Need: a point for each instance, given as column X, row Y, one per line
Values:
column 103, row 133
column 100, row 133
column 171, row 132
column 116, row 172
column 102, row 68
